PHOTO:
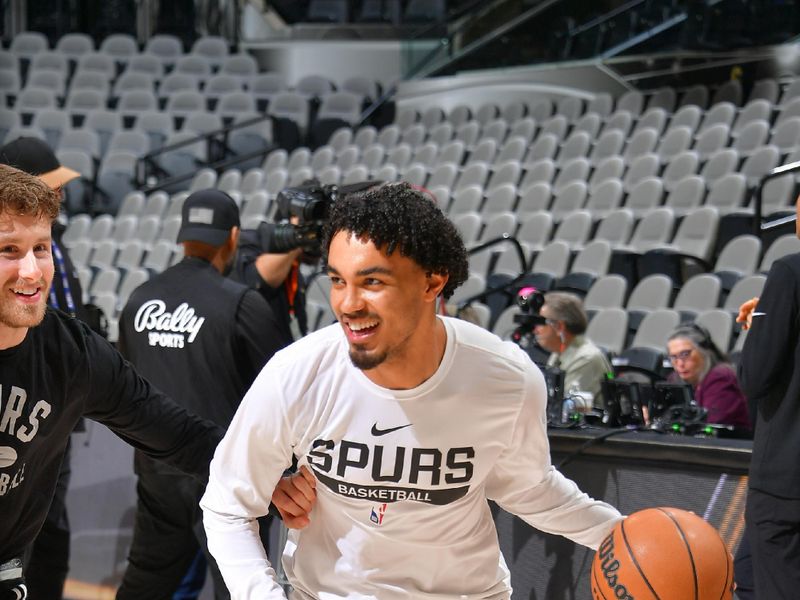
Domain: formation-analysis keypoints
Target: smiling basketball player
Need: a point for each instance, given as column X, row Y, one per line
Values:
column 408, row 420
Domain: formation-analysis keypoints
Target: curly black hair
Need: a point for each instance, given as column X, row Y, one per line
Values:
column 395, row 216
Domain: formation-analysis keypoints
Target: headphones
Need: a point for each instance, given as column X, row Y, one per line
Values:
column 706, row 341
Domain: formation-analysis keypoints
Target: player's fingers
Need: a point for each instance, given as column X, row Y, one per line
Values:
column 296, row 522
column 288, row 504
column 300, row 491
column 308, row 476
column 300, row 485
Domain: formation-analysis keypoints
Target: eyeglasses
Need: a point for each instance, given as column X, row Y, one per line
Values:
column 683, row 355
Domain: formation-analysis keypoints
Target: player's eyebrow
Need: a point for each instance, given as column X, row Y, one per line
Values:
column 364, row 272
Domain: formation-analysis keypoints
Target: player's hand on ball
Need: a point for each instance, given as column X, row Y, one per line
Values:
column 294, row 497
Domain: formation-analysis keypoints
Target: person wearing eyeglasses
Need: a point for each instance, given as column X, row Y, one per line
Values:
column 562, row 334
column 698, row 361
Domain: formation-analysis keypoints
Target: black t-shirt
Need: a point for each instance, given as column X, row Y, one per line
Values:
column 61, row 371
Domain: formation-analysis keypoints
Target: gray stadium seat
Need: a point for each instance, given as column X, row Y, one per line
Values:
column 441, row 133
column 750, row 137
column 645, row 196
column 746, row 288
column 610, row 168
column 620, row 119
column 541, row 109
column 643, row 167
column 686, row 195
column 195, row 66
column 535, row 230
column 631, row 101
column 535, row 198
column 119, row 46
column 575, row 146
column 571, row 198
column 53, row 123
column 654, row 118
column 696, row 95
column 167, row 48
column 719, row 164
column 605, row 197
column 602, row 104
column 575, row 170
column 755, row 110
column 571, row 107
column 655, row 328
column 214, row 49
column 616, row 227
column 675, row 142
column 664, row 98
column 727, row 194
column 590, row 123
column 697, row 233
column 574, row 230
column 759, row 163
column 26, row 44
column 687, row 116
column 681, row 166
column 609, row 145
column 719, row 324
column 642, row 142
column 765, row 89
column 608, row 291
column 608, row 329
column 786, row 244
column 697, row 294
column 730, row 91
column 653, row 231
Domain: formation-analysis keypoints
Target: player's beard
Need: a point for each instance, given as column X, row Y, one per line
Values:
column 365, row 361
column 14, row 314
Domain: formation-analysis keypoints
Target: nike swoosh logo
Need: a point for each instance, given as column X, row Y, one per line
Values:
column 379, row 432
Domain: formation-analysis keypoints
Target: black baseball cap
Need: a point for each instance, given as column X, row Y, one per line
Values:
column 35, row 157
column 208, row 216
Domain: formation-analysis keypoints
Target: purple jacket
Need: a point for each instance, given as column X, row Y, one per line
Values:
column 719, row 393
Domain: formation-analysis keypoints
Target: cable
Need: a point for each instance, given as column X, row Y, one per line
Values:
column 595, row 440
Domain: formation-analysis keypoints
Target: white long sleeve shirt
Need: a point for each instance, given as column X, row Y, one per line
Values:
column 403, row 475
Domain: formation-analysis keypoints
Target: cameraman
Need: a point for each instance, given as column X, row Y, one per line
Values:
column 275, row 275
column 269, row 257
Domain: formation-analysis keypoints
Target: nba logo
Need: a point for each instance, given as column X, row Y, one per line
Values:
column 377, row 517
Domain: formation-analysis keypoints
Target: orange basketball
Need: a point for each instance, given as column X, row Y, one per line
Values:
column 662, row 554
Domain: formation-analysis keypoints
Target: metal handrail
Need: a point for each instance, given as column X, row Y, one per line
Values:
column 758, row 226
column 503, row 239
column 148, row 160
column 597, row 21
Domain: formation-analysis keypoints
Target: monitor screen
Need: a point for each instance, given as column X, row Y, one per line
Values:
column 622, row 403
column 554, row 378
column 670, row 399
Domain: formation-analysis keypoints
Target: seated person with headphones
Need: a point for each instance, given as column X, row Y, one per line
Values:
column 583, row 363
column 698, row 361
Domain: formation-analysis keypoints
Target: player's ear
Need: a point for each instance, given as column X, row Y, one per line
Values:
column 435, row 283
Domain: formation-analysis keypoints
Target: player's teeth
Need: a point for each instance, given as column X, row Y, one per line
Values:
column 361, row 326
